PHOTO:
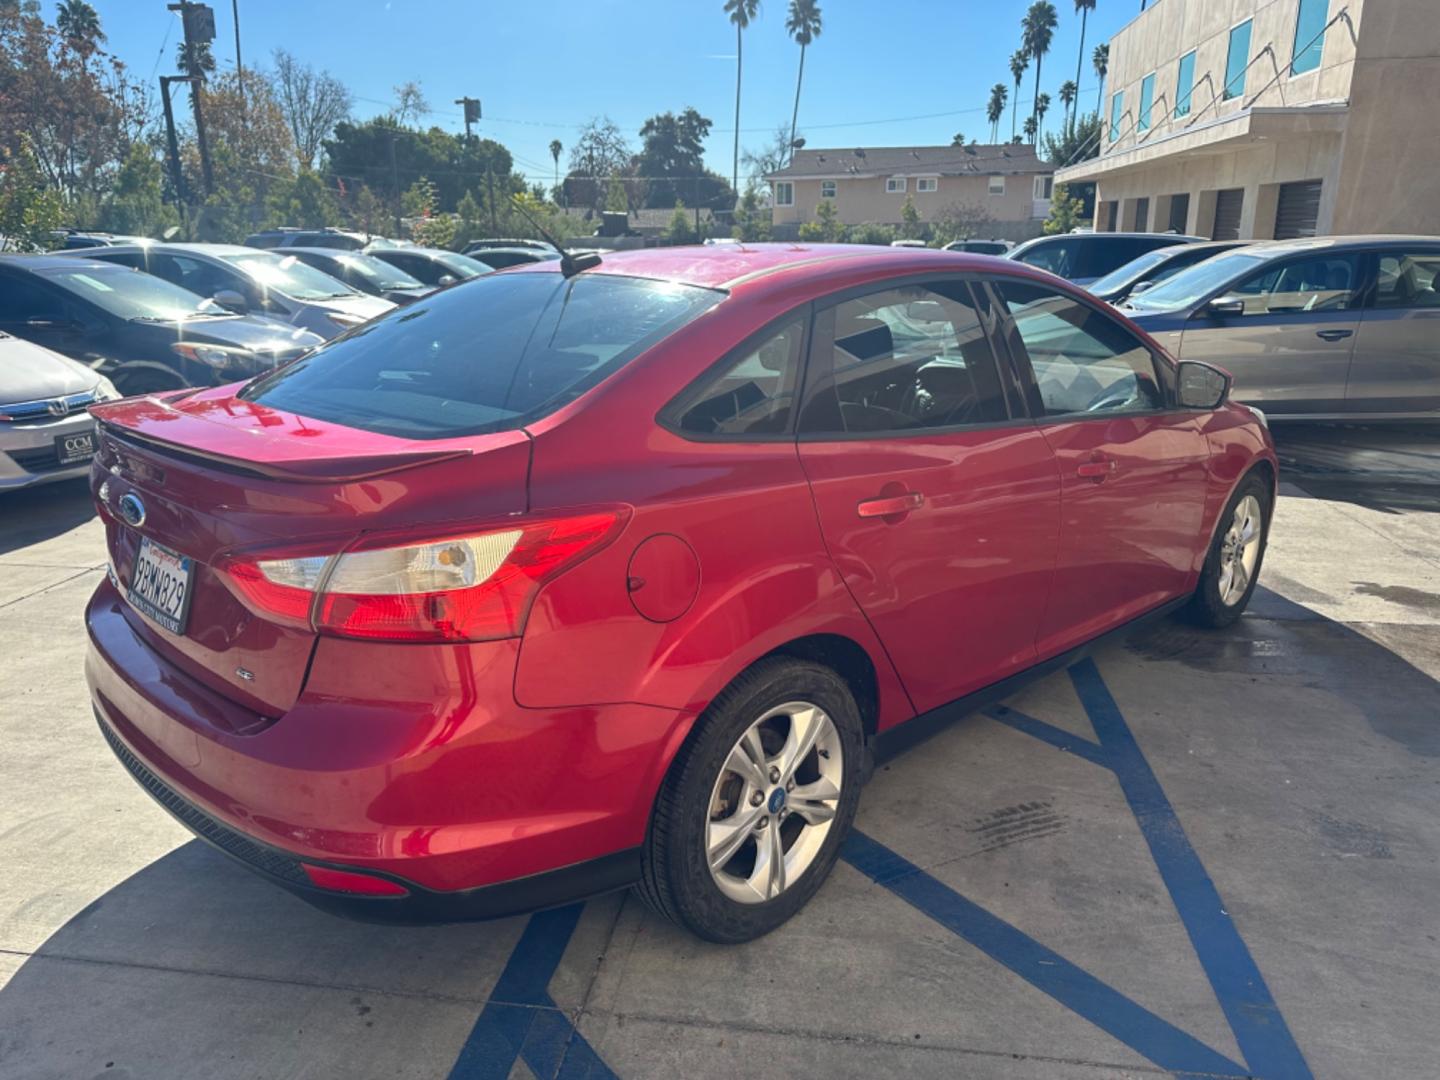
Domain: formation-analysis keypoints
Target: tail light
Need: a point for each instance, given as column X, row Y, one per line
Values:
column 466, row 587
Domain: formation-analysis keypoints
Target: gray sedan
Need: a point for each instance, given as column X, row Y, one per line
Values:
column 1339, row 328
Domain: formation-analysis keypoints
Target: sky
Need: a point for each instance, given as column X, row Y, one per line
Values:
column 882, row 72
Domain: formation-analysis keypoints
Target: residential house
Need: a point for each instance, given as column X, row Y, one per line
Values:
column 1005, row 189
column 1271, row 118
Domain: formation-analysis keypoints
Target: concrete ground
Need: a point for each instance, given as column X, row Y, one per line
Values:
column 1203, row 854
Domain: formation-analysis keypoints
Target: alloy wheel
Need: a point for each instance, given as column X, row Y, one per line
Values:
column 774, row 802
column 1240, row 551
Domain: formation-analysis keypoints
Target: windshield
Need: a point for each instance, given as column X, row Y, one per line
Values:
column 129, row 294
column 1130, row 273
column 492, row 356
column 1191, row 286
column 462, row 266
column 379, row 273
column 287, row 275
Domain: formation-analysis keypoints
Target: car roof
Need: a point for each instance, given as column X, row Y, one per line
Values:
column 214, row 250
column 729, row 265
column 328, row 252
column 54, row 262
column 1276, row 248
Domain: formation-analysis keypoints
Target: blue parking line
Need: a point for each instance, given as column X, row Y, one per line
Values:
column 1055, row 736
column 521, row 1020
column 1156, row 1039
column 1260, row 1030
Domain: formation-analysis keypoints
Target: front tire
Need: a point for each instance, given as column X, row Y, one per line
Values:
column 1232, row 567
column 750, row 818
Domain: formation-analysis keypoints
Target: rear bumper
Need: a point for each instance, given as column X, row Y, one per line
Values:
column 479, row 808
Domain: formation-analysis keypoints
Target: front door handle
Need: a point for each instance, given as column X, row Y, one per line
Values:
column 890, row 505
column 1333, row 335
column 1099, row 468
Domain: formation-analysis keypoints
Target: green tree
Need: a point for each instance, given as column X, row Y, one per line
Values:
column 136, row 202
column 30, row 209
column 803, row 24
column 740, row 13
column 555, row 151
column 870, row 233
column 368, row 213
column 672, row 161
column 1067, row 98
column 195, row 59
column 911, row 228
column 419, row 199
column 79, row 26
column 826, row 226
column 1037, row 31
column 1019, row 61
column 305, row 201
column 615, row 198
column 1029, row 130
column 752, row 219
column 680, row 231
column 598, row 154
column 1101, row 59
column 1080, row 143
column 995, row 109
column 437, row 232
column 1042, row 106
column 1084, row 7
column 1066, row 212
column 471, row 215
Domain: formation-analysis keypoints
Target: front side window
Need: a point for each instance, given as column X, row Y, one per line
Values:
column 754, row 395
column 784, row 193
column 1237, row 61
column 927, row 184
column 1323, row 283
column 493, row 356
column 1184, row 84
column 129, row 294
column 903, row 360
column 895, row 185
column 1309, row 36
column 1147, row 101
column 1409, row 280
column 1083, row 362
column 1117, row 106
column 1057, row 256
column 827, row 189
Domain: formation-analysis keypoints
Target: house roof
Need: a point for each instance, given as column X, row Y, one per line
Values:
column 911, row 161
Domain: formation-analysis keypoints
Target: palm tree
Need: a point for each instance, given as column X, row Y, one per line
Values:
column 1019, row 61
column 555, row 149
column 1068, row 90
column 79, row 26
column 996, row 109
column 1084, row 7
column 1042, row 106
column 803, row 25
column 1101, row 59
column 740, row 12
column 202, row 63
column 1037, row 29
column 1030, row 128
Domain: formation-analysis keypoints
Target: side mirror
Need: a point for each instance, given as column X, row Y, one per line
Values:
column 1224, row 307
column 446, row 279
column 231, row 300
column 1202, row 386
column 1141, row 286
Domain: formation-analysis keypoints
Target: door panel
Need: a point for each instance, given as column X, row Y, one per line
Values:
column 1290, row 350
column 1132, row 474
column 1396, row 364
column 939, row 510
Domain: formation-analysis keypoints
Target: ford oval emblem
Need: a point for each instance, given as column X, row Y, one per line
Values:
column 132, row 509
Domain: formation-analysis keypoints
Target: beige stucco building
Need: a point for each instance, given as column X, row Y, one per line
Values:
column 1272, row 118
column 1005, row 187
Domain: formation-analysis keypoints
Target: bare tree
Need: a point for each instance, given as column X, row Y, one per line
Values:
column 410, row 104
column 313, row 102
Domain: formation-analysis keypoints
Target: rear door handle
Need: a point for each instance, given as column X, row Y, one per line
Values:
column 1333, row 335
column 894, row 504
column 1098, row 468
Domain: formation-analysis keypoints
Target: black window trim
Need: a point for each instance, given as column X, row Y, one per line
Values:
column 1016, row 413
column 1009, row 335
column 669, row 415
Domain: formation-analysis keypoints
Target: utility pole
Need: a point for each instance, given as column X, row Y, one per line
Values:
column 395, row 182
column 239, row 67
column 472, row 116
column 198, row 21
column 177, row 177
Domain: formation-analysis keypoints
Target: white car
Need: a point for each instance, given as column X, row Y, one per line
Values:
column 45, row 428
column 249, row 281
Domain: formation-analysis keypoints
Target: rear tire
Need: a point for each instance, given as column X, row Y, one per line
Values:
column 772, row 769
column 1232, row 567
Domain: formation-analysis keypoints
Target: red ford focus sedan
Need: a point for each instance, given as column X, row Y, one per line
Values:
column 584, row 576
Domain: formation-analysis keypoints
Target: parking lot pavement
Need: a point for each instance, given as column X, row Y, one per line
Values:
column 1198, row 853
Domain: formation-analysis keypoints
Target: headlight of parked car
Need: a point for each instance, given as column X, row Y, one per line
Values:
column 220, row 357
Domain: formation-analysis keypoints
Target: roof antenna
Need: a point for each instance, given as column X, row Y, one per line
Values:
column 570, row 265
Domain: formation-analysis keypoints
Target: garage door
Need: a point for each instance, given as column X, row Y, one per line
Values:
column 1228, row 205
column 1179, row 212
column 1298, row 210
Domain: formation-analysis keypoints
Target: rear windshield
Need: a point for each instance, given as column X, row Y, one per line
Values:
column 496, row 353
column 287, row 275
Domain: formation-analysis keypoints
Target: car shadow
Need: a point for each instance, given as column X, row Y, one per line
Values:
column 1393, row 469
column 34, row 515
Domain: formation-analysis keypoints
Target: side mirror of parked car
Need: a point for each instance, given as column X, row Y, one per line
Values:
column 446, row 279
column 1223, row 307
column 1141, row 286
column 231, row 300
column 1202, row 386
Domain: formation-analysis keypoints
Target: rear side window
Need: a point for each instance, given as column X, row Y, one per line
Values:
column 1410, row 280
column 1057, row 257
column 752, row 395
column 903, row 360
column 498, row 353
column 1084, row 363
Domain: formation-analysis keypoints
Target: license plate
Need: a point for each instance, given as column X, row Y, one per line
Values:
column 73, row 449
column 160, row 585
